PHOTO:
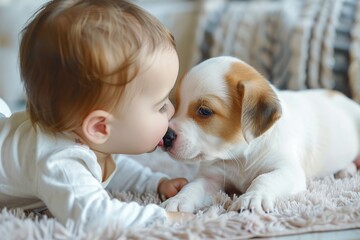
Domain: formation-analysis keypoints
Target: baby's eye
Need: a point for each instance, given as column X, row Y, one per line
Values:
column 163, row 108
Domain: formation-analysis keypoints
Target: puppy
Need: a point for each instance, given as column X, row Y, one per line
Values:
column 253, row 138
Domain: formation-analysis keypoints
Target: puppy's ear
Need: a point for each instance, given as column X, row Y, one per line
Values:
column 260, row 107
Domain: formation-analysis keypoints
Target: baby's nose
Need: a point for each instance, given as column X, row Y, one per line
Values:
column 169, row 138
column 170, row 111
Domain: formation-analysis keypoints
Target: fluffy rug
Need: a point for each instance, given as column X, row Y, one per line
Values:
column 328, row 204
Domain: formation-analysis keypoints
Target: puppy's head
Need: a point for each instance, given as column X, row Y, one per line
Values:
column 221, row 104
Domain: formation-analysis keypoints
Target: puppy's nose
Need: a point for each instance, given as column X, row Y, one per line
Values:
column 169, row 138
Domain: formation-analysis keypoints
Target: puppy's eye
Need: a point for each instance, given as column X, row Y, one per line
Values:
column 204, row 112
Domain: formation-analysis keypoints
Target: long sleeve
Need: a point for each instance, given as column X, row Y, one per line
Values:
column 132, row 176
column 63, row 174
column 71, row 188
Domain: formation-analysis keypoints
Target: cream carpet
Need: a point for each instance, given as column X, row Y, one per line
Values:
column 328, row 204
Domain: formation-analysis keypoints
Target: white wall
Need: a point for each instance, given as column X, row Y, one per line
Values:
column 181, row 17
column 13, row 16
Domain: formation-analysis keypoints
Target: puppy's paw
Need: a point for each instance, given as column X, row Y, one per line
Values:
column 179, row 203
column 349, row 171
column 253, row 201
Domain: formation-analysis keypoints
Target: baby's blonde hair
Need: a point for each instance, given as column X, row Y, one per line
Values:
column 77, row 56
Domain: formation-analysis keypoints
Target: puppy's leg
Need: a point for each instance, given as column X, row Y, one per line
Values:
column 267, row 187
column 193, row 196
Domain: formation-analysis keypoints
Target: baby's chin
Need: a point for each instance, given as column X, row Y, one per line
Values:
column 160, row 144
column 152, row 150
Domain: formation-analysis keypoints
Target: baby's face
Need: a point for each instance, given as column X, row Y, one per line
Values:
column 147, row 114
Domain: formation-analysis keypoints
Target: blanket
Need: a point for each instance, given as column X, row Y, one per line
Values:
column 328, row 204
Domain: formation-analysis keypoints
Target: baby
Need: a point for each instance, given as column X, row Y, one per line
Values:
column 97, row 74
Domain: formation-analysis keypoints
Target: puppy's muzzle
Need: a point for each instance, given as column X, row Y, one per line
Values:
column 169, row 138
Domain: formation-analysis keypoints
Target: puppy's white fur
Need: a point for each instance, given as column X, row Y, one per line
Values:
column 277, row 139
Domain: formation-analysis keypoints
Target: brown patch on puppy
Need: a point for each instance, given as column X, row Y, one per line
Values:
column 175, row 93
column 257, row 101
column 220, row 121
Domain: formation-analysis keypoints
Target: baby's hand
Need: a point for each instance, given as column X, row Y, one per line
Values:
column 180, row 216
column 170, row 187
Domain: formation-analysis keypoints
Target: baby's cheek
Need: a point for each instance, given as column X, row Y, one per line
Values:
column 162, row 131
column 158, row 131
column 163, row 125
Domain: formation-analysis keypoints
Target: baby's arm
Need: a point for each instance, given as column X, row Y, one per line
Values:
column 179, row 216
column 132, row 176
column 71, row 191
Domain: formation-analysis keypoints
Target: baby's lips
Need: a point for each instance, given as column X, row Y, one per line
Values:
column 161, row 143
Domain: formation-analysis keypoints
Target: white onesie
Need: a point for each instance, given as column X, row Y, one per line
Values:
column 57, row 170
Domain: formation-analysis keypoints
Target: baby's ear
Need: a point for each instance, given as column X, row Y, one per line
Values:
column 95, row 126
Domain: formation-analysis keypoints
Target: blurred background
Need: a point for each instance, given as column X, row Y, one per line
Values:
column 296, row 44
